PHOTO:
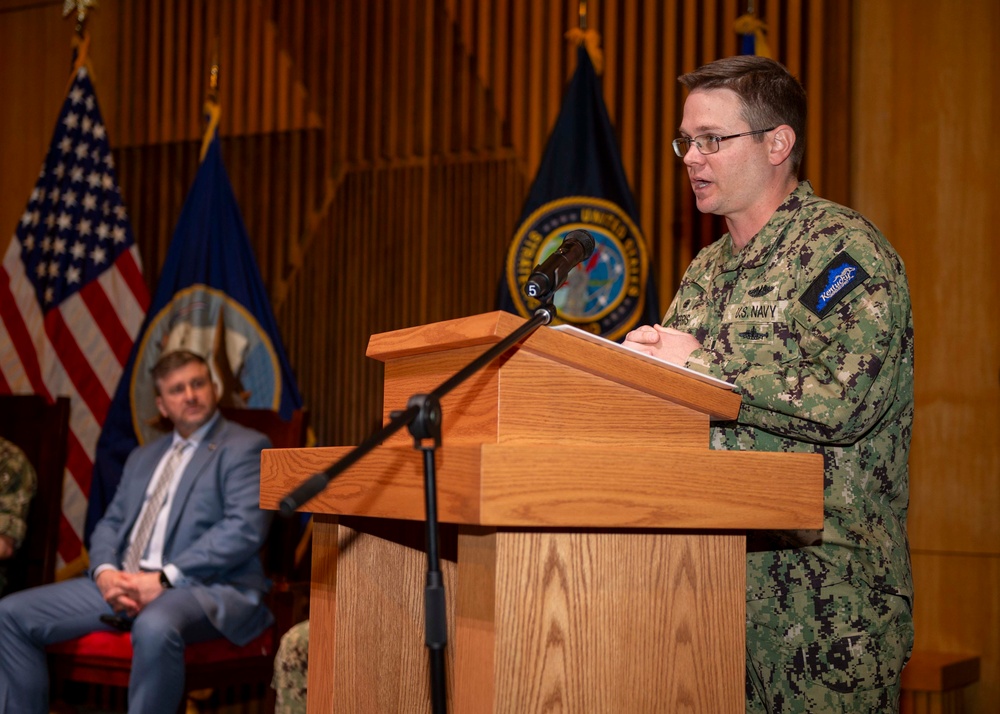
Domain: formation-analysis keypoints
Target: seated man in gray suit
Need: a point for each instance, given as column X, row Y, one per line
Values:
column 175, row 557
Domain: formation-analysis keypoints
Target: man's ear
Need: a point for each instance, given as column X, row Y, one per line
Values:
column 782, row 141
column 159, row 405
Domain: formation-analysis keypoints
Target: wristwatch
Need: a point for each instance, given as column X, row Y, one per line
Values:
column 164, row 580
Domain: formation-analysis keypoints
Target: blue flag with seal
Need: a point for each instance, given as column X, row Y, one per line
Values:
column 753, row 34
column 211, row 300
column 581, row 184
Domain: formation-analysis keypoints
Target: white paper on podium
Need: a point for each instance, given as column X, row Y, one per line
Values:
column 604, row 342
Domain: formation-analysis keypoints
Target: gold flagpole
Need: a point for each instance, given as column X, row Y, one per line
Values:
column 212, row 108
column 81, row 41
column 590, row 38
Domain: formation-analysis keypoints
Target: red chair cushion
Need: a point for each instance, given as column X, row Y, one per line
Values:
column 118, row 645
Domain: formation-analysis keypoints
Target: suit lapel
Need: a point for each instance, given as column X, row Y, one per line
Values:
column 146, row 469
column 195, row 469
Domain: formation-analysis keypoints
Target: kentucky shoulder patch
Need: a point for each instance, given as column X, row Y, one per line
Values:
column 836, row 282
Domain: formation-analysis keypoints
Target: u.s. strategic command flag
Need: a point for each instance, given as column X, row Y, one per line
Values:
column 581, row 184
column 72, row 297
column 753, row 36
column 211, row 300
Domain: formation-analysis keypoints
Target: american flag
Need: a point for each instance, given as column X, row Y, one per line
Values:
column 72, row 296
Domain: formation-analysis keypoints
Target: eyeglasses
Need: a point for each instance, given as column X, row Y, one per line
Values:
column 709, row 143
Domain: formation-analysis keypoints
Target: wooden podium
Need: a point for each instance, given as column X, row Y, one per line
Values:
column 592, row 545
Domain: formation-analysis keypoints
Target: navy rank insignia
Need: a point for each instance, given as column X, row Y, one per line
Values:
column 604, row 295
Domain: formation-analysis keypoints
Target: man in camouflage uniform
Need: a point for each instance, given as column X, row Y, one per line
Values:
column 291, row 665
column 803, row 305
column 17, row 486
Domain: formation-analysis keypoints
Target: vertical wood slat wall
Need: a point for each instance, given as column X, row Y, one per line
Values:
column 924, row 164
column 381, row 150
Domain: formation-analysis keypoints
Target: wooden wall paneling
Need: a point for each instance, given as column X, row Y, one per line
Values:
column 210, row 41
column 406, row 104
column 836, row 85
column 468, row 123
column 539, row 123
column 394, row 86
column 252, row 52
column 628, row 115
column 484, row 129
column 140, row 90
column 607, row 16
column 731, row 9
column 708, row 20
column 381, row 85
column 649, row 130
column 964, row 616
column 271, row 84
column 441, row 57
column 272, row 237
column 662, row 233
column 519, row 70
column 29, row 38
column 812, row 78
column 154, row 73
column 358, row 81
column 330, row 94
column 294, row 224
column 500, row 75
column 792, row 36
column 194, row 62
column 552, row 65
column 690, row 224
column 933, row 196
column 771, row 13
column 912, row 128
column 170, row 79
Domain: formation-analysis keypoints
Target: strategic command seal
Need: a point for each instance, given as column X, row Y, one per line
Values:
column 605, row 294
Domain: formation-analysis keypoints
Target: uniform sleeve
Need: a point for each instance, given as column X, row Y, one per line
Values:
column 106, row 536
column 835, row 378
column 18, row 483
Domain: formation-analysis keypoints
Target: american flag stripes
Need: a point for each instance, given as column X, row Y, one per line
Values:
column 72, row 296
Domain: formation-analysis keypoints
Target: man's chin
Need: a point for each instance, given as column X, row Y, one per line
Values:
column 194, row 421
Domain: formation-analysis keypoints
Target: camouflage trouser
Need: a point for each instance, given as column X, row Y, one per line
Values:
column 290, row 667
column 839, row 649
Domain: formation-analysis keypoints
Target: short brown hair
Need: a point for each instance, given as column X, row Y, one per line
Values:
column 768, row 92
column 169, row 361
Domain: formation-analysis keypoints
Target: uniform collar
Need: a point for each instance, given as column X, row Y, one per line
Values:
column 760, row 247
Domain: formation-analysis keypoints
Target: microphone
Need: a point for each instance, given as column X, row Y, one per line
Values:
column 547, row 277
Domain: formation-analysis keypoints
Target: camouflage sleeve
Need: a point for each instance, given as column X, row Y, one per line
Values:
column 291, row 669
column 17, row 486
column 833, row 377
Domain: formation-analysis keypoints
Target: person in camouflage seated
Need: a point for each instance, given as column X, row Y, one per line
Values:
column 803, row 306
column 17, row 487
column 291, row 665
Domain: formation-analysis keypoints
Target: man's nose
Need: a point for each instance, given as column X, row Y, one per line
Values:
column 692, row 156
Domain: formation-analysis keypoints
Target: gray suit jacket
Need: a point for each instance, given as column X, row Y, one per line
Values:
column 215, row 528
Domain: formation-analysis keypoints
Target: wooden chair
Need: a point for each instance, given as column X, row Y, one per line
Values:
column 41, row 430
column 106, row 657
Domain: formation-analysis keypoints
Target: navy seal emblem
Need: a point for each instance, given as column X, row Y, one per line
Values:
column 240, row 355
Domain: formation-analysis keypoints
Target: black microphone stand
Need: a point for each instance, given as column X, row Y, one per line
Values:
column 423, row 418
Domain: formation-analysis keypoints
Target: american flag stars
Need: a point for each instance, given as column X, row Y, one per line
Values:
column 75, row 224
